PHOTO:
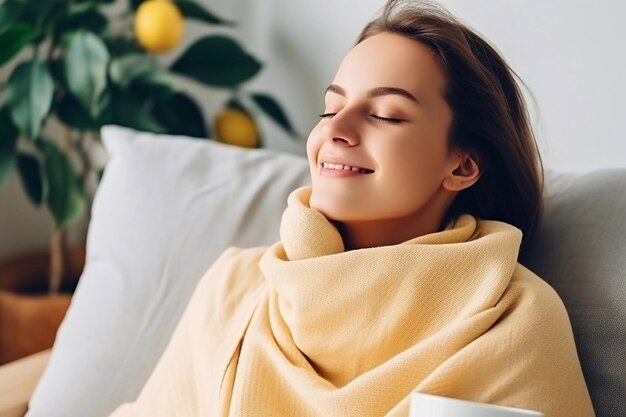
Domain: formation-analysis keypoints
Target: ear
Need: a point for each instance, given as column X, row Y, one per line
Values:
column 464, row 174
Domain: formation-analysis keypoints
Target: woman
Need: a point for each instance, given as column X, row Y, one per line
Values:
column 397, row 270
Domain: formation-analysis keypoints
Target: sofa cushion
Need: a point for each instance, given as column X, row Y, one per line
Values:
column 580, row 249
column 165, row 209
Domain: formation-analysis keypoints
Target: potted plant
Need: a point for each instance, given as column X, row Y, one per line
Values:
column 81, row 64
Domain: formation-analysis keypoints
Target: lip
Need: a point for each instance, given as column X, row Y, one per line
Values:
column 340, row 161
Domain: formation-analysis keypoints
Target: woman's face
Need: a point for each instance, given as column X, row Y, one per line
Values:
column 381, row 150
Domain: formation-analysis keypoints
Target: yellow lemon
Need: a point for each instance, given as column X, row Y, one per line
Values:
column 159, row 25
column 236, row 127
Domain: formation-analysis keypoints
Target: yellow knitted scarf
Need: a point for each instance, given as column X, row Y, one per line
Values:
column 307, row 329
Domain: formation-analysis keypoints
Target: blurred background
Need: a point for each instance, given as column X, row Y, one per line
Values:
column 570, row 53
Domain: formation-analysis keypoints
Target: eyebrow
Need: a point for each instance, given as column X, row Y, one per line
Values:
column 375, row 92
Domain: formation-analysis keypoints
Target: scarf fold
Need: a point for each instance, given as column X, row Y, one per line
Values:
column 349, row 312
column 306, row 329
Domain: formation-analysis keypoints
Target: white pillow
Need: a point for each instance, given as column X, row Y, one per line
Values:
column 165, row 209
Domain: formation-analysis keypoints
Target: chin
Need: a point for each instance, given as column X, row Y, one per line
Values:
column 330, row 208
column 337, row 212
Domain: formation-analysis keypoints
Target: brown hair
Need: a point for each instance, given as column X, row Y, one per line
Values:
column 490, row 118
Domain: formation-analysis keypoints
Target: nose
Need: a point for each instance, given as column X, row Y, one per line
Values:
column 342, row 129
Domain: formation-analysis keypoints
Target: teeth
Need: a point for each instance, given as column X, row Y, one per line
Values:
column 342, row 167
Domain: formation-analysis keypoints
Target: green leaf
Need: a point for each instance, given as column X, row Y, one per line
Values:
column 127, row 110
column 8, row 158
column 134, row 4
column 271, row 107
column 81, row 16
column 65, row 196
column 106, row 111
column 14, row 38
column 86, row 68
column 119, row 45
column 158, row 86
column 43, row 14
column 96, row 1
column 68, row 108
column 31, row 176
column 217, row 61
column 181, row 115
column 8, row 140
column 57, row 71
column 29, row 96
column 7, row 127
column 126, row 69
column 72, row 113
column 40, row 11
column 193, row 10
column 10, row 11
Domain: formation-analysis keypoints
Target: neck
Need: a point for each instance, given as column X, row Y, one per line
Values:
column 385, row 232
column 369, row 234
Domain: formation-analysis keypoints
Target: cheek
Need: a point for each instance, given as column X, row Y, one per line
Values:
column 416, row 158
column 313, row 145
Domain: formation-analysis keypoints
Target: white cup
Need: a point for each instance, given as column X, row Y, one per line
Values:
column 427, row 405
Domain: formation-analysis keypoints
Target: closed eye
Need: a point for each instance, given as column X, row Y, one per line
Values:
column 379, row 118
column 387, row 119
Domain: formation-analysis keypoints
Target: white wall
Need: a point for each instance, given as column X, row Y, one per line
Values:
column 571, row 53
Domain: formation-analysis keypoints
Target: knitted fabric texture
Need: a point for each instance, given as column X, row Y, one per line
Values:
column 305, row 328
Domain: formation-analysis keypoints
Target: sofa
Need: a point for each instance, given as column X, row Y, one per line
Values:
column 167, row 206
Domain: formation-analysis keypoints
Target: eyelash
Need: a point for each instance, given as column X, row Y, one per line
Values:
column 381, row 119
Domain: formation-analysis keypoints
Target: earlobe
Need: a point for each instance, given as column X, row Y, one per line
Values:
column 464, row 175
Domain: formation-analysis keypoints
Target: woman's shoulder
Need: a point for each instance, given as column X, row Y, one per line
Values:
column 535, row 298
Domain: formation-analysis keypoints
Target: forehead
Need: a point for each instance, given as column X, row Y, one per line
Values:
column 392, row 60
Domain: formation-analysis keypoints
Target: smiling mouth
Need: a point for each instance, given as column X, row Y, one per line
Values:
column 342, row 167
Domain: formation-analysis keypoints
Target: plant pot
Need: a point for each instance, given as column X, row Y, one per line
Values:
column 29, row 316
